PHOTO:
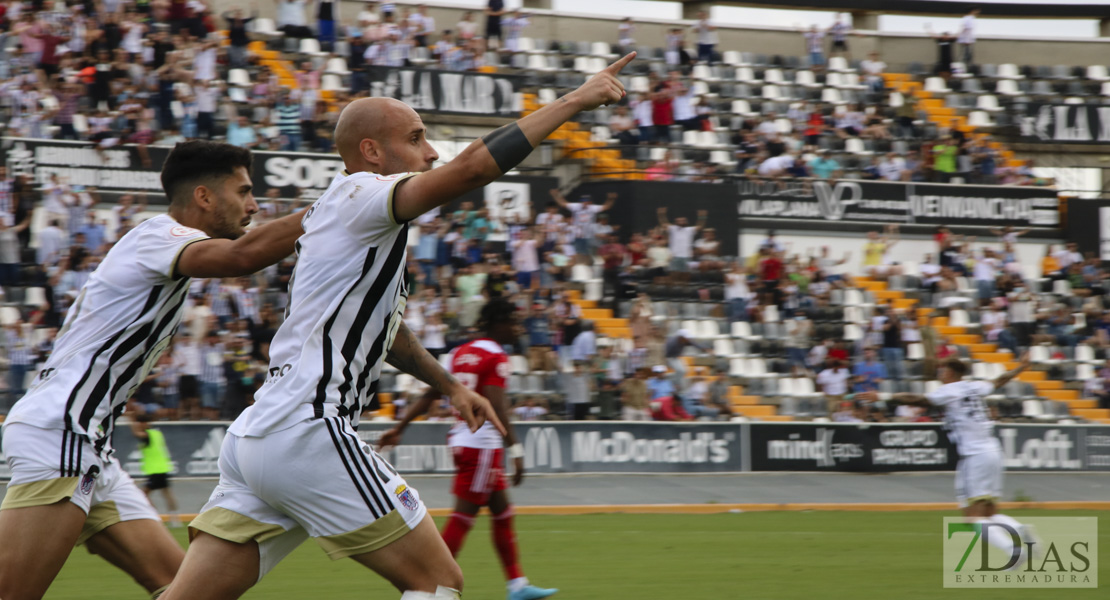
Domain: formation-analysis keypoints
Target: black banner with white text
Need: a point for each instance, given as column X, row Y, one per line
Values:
column 448, row 92
column 1066, row 124
column 627, row 447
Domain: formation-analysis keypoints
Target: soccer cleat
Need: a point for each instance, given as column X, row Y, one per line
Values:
column 531, row 592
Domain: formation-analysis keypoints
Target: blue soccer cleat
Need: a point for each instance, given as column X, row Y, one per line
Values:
column 531, row 592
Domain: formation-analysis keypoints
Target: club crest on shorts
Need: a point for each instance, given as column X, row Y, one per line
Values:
column 407, row 498
column 89, row 480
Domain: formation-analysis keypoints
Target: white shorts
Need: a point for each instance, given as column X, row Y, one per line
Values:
column 315, row 479
column 50, row 465
column 979, row 477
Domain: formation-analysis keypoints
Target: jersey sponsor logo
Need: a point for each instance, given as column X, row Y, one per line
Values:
column 388, row 178
column 182, row 231
column 276, row 373
column 467, row 359
column 504, row 370
column 821, row 450
column 624, row 446
column 407, row 498
column 206, row 460
column 542, row 448
column 1051, row 450
column 88, row 482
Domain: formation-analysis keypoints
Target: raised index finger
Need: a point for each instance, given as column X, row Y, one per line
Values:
column 616, row 67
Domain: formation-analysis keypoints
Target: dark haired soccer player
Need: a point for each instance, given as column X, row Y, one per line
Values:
column 66, row 487
column 969, row 426
column 292, row 465
column 483, row 366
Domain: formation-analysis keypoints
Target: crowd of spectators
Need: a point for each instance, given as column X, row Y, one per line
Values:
column 461, row 258
column 157, row 73
column 153, row 73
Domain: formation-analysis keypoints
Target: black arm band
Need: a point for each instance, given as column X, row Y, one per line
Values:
column 508, row 146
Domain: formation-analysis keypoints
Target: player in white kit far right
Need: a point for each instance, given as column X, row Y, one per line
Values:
column 968, row 423
column 292, row 465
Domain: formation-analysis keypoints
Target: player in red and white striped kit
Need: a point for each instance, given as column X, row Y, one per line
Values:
column 483, row 366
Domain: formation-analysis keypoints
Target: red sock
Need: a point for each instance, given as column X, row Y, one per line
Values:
column 455, row 532
column 504, row 539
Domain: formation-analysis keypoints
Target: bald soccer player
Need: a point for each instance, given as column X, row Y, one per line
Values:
column 292, row 466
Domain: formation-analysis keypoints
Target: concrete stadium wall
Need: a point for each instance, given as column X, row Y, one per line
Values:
column 896, row 49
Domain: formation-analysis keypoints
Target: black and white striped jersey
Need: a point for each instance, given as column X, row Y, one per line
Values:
column 346, row 299
column 114, row 333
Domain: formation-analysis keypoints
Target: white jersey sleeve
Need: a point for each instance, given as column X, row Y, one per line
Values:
column 368, row 202
column 160, row 247
column 946, row 394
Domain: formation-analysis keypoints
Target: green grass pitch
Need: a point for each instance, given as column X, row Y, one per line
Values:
column 746, row 556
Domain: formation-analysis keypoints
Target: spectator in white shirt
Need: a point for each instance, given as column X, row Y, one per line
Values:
column 893, row 168
column 467, row 27
column 737, row 293
column 530, row 410
column 777, row 166
column 583, row 216
column 52, row 240
column 681, row 238
column 707, row 38
column 204, row 63
column 526, row 260
column 512, row 25
column 291, row 19
column 426, row 25
column 966, row 38
column 986, row 272
column 873, row 69
column 624, row 35
column 834, row 383
column 815, row 47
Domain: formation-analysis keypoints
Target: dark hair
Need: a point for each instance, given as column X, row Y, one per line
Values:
column 957, row 366
column 495, row 312
column 198, row 162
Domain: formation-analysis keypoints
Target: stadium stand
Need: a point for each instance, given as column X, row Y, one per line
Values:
column 761, row 340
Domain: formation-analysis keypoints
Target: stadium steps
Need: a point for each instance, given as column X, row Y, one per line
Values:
column 940, row 114
column 578, row 145
column 759, row 411
column 272, row 59
column 1093, row 413
column 606, row 324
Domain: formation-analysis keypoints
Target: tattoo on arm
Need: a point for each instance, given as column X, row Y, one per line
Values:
column 410, row 357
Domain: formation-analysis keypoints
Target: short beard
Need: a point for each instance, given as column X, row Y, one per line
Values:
column 227, row 229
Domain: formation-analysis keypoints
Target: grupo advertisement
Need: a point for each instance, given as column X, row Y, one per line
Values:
column 849, row 447
column 896, row 202
column 627, row 447
column 920, row 447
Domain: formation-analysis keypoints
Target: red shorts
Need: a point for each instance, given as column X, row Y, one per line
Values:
column 478, row 473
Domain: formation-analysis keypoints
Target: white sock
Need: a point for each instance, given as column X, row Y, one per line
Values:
column 999, row 538
column 1007, row 520
column 517, row 584
column 442, row 593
